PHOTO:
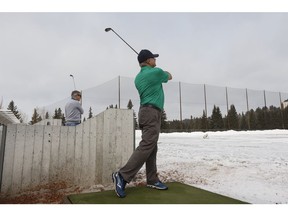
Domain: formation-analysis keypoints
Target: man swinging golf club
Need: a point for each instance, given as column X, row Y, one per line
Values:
column 149, row 85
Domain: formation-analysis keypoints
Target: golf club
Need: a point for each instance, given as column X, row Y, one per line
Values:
column 73, row 81
column 110, row 29
column 71, row 75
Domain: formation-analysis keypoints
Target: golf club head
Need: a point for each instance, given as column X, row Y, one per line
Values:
column 108, row 29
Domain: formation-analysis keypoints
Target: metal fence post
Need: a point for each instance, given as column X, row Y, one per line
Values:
column 248, row 111
column 180, row 101
column 227, row 104
column 265, row 110
column 265, row 104
column 205, row 100
column 281, row 108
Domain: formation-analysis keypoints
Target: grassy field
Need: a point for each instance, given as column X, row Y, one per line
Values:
column 177, row 193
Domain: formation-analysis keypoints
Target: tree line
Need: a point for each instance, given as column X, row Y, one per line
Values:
column 260, row 119
column 58, row 113
column 264, row 118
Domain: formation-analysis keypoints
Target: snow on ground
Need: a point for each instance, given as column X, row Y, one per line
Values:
column 251, row 166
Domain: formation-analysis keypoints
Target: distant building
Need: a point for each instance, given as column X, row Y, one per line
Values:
column 285, row 104
column 8, row 117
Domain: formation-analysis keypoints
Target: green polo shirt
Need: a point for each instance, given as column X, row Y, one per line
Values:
column 149, row 85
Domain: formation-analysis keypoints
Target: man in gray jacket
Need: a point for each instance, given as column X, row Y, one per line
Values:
column 73, row 109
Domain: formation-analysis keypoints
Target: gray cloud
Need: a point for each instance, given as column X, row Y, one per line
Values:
column 38, row 51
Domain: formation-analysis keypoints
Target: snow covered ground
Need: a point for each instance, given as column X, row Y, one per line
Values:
column 249, row 166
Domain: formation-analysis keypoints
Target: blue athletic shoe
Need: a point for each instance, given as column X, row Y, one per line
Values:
column 119, row 184
column 158, row 185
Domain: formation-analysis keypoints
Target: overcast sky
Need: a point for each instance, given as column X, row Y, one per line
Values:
column 38, row 51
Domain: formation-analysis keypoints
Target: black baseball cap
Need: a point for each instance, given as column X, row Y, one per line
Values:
column 145, row 54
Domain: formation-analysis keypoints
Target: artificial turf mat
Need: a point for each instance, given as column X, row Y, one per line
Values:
column 177, row 193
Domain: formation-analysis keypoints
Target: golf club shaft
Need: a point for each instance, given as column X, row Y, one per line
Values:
column 122, row 39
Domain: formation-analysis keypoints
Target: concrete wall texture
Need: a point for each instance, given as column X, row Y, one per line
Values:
column 84, row 155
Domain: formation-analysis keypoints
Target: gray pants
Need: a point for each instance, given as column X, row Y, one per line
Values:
column 149, row 123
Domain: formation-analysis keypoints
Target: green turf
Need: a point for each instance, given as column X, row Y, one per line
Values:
column 177, row 193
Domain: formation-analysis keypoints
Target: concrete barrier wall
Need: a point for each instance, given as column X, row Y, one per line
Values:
column 50, row 122
column 41, row 155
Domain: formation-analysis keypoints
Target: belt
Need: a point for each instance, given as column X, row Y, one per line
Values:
column 151, row 106
column 74, row 121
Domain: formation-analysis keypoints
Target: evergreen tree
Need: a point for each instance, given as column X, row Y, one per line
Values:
column 279, row 115
column 232, row 117
column 55, row 116
column 130, row 106
column 260, row 119
column 191, row 125
column 186, row 123
column 285, row 117
column 266, row 118
column 276, row 116
column 62, row 116
column 175, row 124
column 164, row 123
column 225, row 122
column 243, row 122
column 14, row 110
column 272, row 120
column 216, row 119
column 90, row 115
column 252, row 120
column 112, row 106
column 204, row 121
column 58, row 114
column 197, row 123
column 35, row 117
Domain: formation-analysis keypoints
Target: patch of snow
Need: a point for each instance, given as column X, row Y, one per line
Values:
column 251, row 166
